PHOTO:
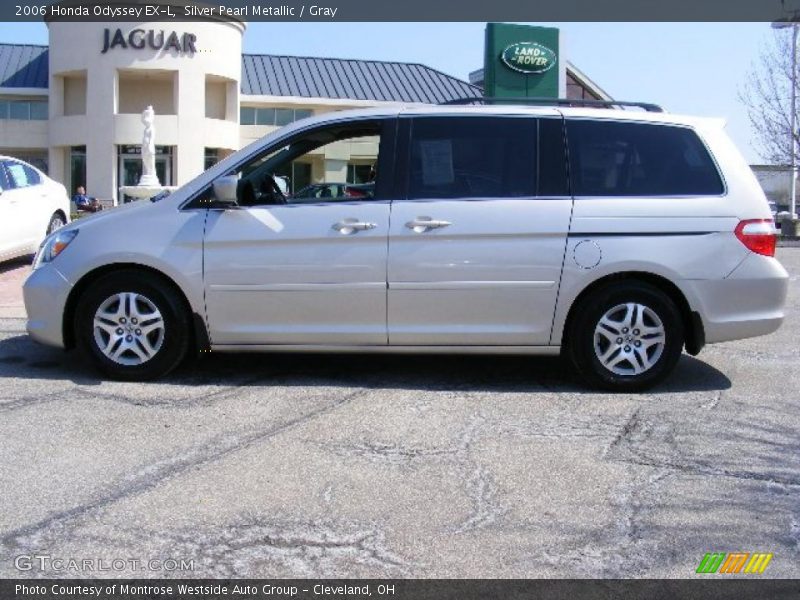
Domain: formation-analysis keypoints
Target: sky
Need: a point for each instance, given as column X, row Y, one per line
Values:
column 689, row 68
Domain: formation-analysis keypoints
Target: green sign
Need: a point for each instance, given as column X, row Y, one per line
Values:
column 522, row 60
column 529, row 57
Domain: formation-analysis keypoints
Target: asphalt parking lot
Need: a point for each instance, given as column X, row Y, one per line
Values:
column 357, row 466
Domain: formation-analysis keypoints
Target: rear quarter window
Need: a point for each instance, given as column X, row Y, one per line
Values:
column 609, row 158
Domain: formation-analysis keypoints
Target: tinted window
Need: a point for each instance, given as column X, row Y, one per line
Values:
column 552, row 178
column 639, row 159
column 39, row 111
column 472, row 157
column 265, row 116
column 247, row 115
column 283, row 116
column 19, row 110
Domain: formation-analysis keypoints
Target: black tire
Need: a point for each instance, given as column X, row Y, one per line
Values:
column 174, row 335
column 584, row 345
column 56, row 222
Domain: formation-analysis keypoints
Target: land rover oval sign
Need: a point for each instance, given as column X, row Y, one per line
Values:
column 528, row 57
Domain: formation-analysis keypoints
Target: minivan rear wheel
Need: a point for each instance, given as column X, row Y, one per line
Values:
column 625, row 336
column 132, row 326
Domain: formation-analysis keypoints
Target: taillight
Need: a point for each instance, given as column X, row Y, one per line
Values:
column 759, row 235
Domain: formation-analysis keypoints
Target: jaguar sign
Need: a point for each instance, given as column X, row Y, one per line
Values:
column 139, row 39
column 528, row 57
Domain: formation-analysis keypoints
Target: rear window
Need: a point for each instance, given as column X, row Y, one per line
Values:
column 610, row 158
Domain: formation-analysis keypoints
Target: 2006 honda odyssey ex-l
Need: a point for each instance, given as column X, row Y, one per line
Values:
column 615, row 237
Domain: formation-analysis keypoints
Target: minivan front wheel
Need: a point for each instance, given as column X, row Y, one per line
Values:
column 132, row 326
column 626, row 336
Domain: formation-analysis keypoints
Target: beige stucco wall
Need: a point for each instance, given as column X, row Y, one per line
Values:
column 137, row 91
column 23, row 134
column 75, row 94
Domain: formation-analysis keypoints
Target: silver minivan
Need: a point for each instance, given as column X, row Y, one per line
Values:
column 616, row 238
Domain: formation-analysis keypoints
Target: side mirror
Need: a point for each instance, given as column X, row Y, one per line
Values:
column 225, row 191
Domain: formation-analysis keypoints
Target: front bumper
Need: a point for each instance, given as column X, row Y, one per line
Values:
column 748, row 303
column 45, row 293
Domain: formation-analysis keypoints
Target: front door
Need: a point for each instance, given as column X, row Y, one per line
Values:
column 476, row 248
column 301, row 270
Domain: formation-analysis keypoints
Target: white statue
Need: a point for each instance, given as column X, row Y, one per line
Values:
column 149, row 176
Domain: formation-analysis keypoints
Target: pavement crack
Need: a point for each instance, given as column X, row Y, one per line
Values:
column 154, row 474
column 385, row 452
column 631, row 427
column 482, row 492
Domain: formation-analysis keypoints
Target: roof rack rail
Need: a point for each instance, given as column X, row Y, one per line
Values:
column 552, row 102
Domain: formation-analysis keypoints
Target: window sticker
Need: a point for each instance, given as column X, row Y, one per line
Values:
column 437, row 162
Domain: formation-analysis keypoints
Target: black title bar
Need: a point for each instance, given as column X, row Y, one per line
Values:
column 707, row 588
column 407, row 10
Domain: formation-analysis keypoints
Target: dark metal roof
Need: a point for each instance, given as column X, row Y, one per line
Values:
column 23, row 66
column 308, row 77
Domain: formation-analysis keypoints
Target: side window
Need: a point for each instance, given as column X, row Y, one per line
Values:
column 609, row 158
column 32, row 175
column 472, row 157
column 552, row 178
column 18, row 174
column 316, row 167
column 5, row 183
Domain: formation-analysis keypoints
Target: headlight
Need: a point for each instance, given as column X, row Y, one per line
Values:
column 52, row 246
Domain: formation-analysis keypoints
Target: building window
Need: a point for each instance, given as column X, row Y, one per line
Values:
column 23, row 110
column 249, row 115
column 77, row 167
column 283, row 116
column 38, row 111
column 265, row 116
column 210, row 158
column 298, row 174
column 359, row 173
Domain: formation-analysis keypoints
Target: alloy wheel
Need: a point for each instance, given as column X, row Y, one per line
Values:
column 128, row 328
column 629, row 339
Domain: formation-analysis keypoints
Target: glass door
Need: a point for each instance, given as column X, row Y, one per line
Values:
column 130, row 167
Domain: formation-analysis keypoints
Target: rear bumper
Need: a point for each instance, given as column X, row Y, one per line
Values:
column 748, row 303
column 45, row 294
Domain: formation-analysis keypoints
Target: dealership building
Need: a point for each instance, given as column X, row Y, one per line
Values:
column 73, row 108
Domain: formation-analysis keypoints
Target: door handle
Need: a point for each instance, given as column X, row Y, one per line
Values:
column 349, row 226
column 423, row 224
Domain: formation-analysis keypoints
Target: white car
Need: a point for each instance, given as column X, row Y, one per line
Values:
column 32, row 206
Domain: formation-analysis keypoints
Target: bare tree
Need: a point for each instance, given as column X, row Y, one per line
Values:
column 767, row 94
